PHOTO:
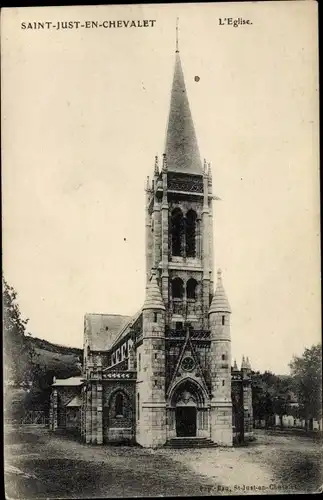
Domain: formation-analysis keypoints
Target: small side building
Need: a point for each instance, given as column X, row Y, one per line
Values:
column 66, row 404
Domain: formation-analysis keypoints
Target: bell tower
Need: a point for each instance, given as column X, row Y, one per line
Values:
column 183, row 346
column 179, row 221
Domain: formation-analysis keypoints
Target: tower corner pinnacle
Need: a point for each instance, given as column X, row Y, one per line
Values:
column 156, row 166
column 219, row 302
column 164, row 167
column 153, row 298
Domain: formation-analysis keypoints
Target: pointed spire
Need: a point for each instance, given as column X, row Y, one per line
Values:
column 235, row 366
column 248, row 364
column 153, row 296
column 243, row 363
column 156, row 167
column 147, row 184
column 220, row 302
column 181, row 145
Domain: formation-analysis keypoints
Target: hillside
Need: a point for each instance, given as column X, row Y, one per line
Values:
column 44, row 344
column 56, row 358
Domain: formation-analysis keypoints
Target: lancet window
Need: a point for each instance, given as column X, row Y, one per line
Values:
column 183, row 233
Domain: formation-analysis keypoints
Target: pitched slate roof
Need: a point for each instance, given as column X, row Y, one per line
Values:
column 181, row 147
column 68, row 382
column 101, row 330
column 124, row 330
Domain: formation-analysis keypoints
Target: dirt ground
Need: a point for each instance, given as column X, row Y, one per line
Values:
column 39, row 465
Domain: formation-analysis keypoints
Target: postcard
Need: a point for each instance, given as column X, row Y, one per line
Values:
column 161, row 250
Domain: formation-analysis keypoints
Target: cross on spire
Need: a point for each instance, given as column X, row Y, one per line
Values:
column 177, row 50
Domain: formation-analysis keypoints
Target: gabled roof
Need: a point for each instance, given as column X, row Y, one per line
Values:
column 68, row 382
column 75, row 402
column 101, row 330
column 187, row 347
column 181, row 147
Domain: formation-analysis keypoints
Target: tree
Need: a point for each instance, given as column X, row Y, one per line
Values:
column 15, row 345
column 24, row 367
column 307, row 379
column 271, row 395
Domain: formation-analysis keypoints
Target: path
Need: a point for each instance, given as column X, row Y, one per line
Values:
column 42, row 465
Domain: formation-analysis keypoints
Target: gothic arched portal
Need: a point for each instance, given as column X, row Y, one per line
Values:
column 186, row 401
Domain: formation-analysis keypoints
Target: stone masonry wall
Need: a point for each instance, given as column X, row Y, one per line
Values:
column 220, row 371
column 118, row 428
column 151, row 424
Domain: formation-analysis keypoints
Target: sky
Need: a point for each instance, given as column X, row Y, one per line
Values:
column 84, row 112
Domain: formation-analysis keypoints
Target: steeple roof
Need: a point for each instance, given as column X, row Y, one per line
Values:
column 153, row 296
column 219, row 302
column 181, row 148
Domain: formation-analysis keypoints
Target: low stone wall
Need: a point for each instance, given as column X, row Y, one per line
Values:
column 289, row 422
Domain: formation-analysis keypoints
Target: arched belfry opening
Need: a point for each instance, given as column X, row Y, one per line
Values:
column 177, row 291
column 190, row 233
column 177, row 288
column 183, row 233
column 191, row 287
column 177, row 230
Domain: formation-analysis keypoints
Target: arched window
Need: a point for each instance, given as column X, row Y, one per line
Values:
column 177, row 288
column 191, row 233
column 191, row 288
column 119, row 405
column 177, row 230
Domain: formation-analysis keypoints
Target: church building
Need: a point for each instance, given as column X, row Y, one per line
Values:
column 165, row 376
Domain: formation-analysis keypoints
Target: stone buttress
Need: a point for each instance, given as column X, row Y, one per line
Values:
column 150, row 387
